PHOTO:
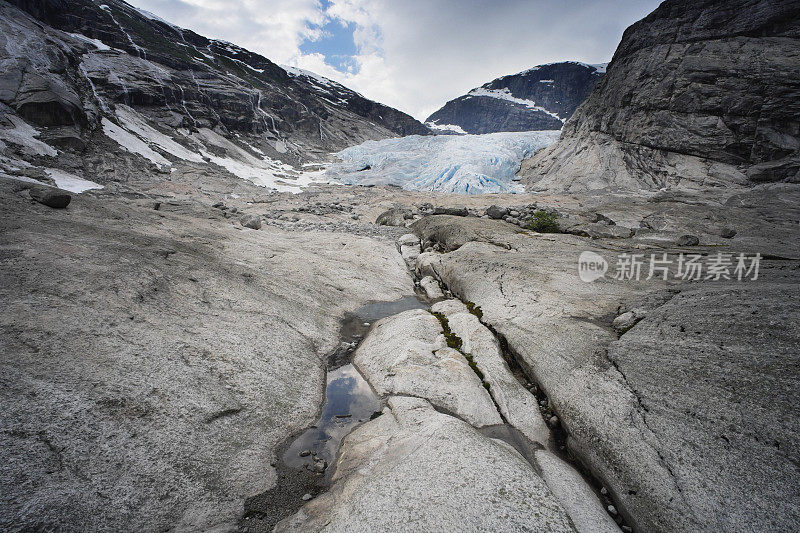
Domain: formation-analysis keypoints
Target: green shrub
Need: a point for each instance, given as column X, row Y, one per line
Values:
column 543, row 222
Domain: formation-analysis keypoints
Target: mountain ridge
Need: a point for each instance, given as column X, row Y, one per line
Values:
column 539, row 98
column 69, row 66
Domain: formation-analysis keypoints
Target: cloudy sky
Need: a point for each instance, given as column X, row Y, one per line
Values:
column 412, row 54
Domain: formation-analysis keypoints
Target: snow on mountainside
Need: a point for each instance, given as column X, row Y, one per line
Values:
column 539, row 98
column 464, row 164
column 114, row 93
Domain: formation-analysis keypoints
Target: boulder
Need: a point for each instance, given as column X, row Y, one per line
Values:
column 628, row 319
column 688, row 240
column 496, row 212
column 392, row 217
column 250, row 221
column 50, row 196
column 455, row 211
column 431, row 288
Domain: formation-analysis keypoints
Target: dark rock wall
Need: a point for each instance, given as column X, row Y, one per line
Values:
column 209, row 83
column 694, row 84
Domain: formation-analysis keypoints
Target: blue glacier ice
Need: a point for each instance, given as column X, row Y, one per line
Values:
column 464, row 164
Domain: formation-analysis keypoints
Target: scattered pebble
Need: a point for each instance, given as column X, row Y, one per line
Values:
column 612, row 510
column 307, row 497
column 305, row 453
column 553, row 421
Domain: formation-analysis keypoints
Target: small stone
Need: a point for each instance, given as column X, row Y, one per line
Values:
column 305, row 453
column 627, row 320
column 612, row 510
column 306, row 497
column 553, row 421
column 366, row 324
column 251, row 221
column 319, row 466
column 51, row 197
column 604, row 491
column 727, row 233
column 409, row 239
column 688, row 240
column 626, row 529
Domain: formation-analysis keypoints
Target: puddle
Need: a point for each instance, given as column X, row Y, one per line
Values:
column 356, row 324
column 349, row 401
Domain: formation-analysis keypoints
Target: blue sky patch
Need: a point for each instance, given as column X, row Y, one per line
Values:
column 336, row 44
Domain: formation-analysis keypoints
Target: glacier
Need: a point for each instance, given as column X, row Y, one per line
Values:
column 463, row 164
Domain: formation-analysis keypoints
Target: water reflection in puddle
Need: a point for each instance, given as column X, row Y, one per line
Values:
column 349, row 400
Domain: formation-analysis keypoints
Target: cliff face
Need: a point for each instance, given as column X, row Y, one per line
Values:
column 69, row 66
column 541, row 98
column 699, row 94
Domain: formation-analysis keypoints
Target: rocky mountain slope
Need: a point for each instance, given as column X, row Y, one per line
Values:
column 540, row 98
column 81, row 77
column 698, row 95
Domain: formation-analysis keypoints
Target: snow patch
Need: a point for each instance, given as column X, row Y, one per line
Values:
column 505, row 94
column 446, row 127
column 97, row 43
column 24, row 135
column 151, row 16
column 295, row 72
column 599, row 67
column 132, row 143
column 465, row 164
column 71, row 182
column 264, row 172
column 135, row 123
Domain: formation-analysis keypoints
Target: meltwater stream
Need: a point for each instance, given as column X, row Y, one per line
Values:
column 306, row 462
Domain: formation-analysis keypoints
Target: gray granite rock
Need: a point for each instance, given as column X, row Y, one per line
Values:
column 407, row 354
column 414, row 468
column 153, row 361
column 647, row 414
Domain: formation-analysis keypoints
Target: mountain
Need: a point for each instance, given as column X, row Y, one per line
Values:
column 78, row 73
column 698, row 95
column 540, row 98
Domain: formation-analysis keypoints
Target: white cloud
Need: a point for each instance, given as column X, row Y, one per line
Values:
column 417, row 54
